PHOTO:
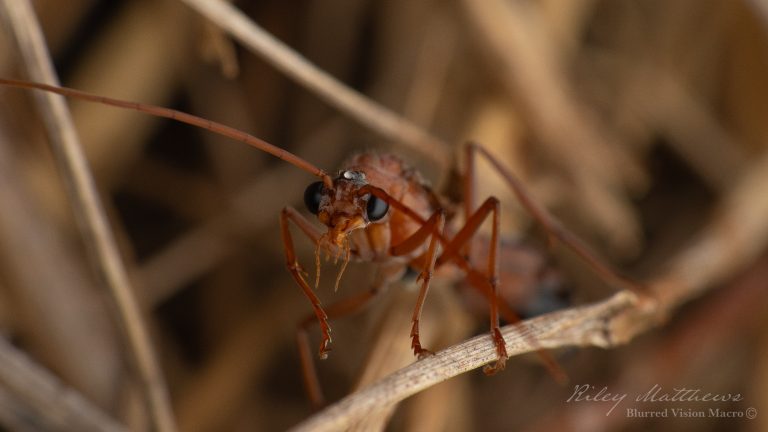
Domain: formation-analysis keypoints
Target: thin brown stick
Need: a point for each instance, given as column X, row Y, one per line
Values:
column 725, row 317
column 212, row 397
column 369, row 113
column 388, row 352
column 761, row 10
column 41, row 401
column 60, row 326
column 89, row 210
column 731, row 242
column 695, row 133
column 578, row 326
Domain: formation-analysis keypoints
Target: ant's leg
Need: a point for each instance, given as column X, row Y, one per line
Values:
column 481, row 283
column 432, row 227
column 461, row 240
column 476, row 279
column 309, row 372
column 552, row 226
column 308, row 369
column 289, row 214
column 348, row 306
column 469, row 192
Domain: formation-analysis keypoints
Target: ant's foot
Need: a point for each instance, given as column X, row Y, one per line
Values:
column 501, row 351
column 422, row 353
column 495, row 368
column 324, row 348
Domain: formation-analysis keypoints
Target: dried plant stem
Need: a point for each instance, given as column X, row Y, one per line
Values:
column 209, row 401
column 577, row 326
column 387, row 353
column 734, row 239
column 87, row 206
column 36, row 394
column 513, row 36
column 369, row 113
column 696, row 134
column 60, row 326
column 761, row 9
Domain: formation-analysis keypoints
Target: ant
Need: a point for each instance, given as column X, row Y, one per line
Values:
column 378, row 209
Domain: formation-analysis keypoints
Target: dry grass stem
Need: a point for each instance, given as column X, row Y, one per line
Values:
column 41, row 402
column 87, row 206
column 761, row 6
column 387, row 353
column 60, row 325
column 528, row 66
column 128, row 64
column 588, row 325
column 369, row 113
column 695, row 133
column 217, row 392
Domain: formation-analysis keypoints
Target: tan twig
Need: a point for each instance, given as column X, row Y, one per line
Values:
column 59, row 326
column 41, row 401
column 89, row 210
column 761, row 10
column 220, row 388
column 369, row 113
column 732, row 241
column 436, row 52
column 589, row 325
column 695, row 133
column 136, row 65
column 389, row 352
column 724, row 317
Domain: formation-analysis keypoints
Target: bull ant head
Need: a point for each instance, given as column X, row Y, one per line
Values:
column 344, row 206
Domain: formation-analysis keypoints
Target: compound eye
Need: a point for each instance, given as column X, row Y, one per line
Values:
column 376, row 209
column 312, row 196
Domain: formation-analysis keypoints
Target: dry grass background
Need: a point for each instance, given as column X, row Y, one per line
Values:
column 633, row 121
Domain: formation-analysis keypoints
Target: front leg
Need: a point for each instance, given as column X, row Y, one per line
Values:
column 386, row 275
column 287, row 215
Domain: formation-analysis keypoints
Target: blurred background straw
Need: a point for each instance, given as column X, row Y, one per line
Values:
column 631, row 120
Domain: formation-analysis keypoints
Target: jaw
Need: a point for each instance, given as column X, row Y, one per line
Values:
column 336, row 242
column 342, row 227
